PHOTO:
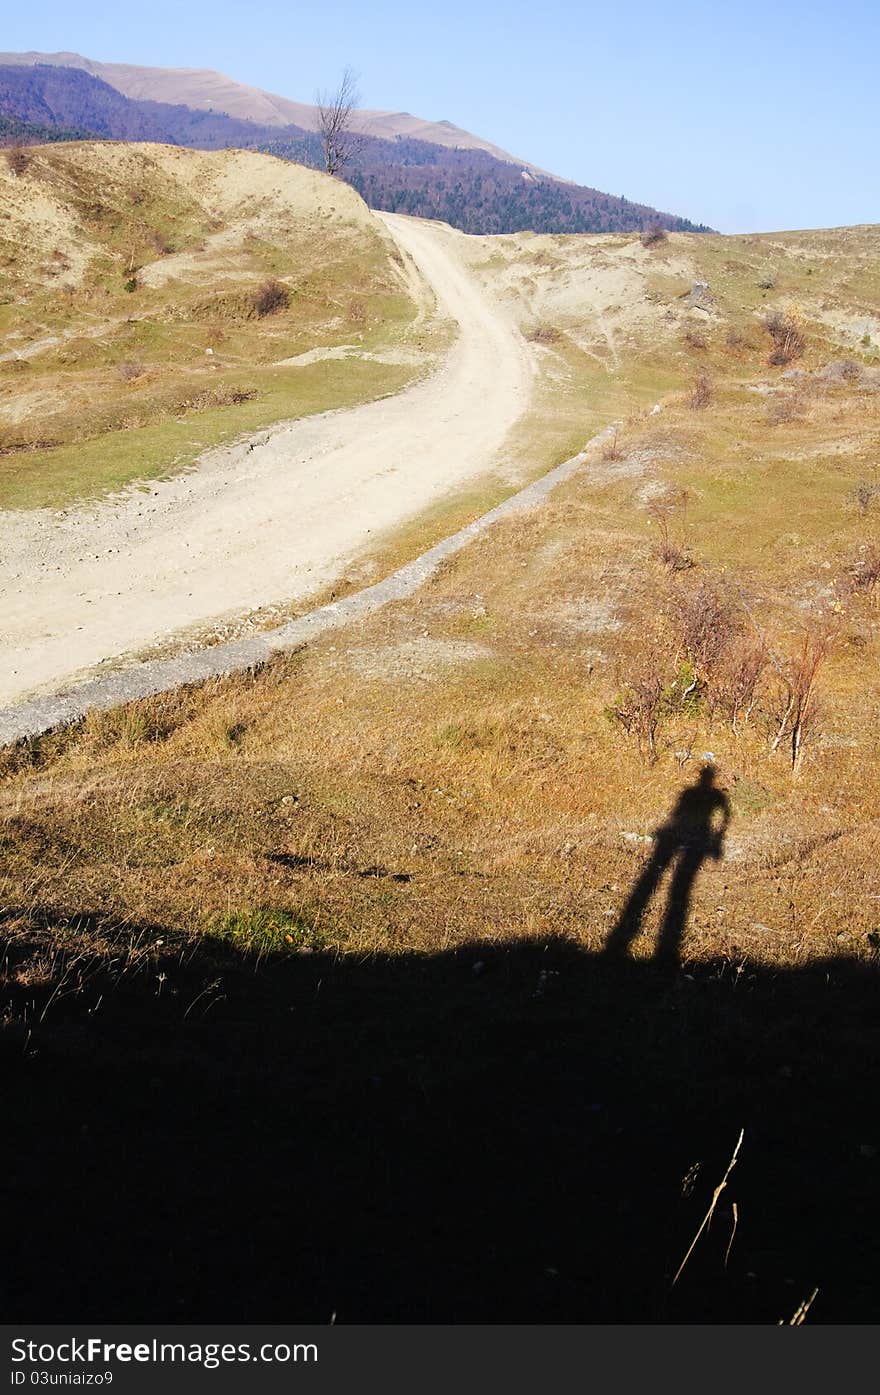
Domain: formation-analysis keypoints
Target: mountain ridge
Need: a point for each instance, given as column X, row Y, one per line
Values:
column 205, row 89
column 469, row 186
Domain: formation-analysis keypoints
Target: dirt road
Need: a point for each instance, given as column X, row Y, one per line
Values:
column 259, row 524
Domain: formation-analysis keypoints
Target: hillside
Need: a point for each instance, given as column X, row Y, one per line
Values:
column 411, row 166
column 384, row 906
column 150, row 299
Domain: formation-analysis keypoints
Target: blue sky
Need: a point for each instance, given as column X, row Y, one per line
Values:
column 752, row 116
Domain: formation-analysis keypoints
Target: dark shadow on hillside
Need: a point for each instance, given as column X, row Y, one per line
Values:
column 521, row 1134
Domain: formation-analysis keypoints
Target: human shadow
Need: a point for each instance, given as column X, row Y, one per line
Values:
column 693, row 832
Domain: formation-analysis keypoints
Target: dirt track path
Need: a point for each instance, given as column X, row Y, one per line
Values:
column 252, row 526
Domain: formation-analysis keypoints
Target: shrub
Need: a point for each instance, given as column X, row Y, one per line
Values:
column 543, row 334
column 694, row 338
column 865, row 494
column 701, row 393
column 161, row 243
column 610, row 448
column 798, row 710
column 654, row 234
column 674, row 555
column 784, row 407
column 640, row 706
column 736, row 680
column 269, row 298
column 863, row 577
column 220, row 396
column 788, row 338
column 17, row 160
column 840, row 372
column 706, row 618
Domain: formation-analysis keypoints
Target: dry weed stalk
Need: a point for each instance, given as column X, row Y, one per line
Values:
column 798, row 1317
column 707, row 1219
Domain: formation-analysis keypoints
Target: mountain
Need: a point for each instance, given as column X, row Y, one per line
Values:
column 69, row 97
column 14, row 131
column 427, row 169
column 206, row 90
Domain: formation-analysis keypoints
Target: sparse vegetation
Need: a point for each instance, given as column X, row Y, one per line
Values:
column 784, row 407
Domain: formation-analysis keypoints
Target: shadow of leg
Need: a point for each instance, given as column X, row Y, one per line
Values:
column 630, row 919
column 677, row 907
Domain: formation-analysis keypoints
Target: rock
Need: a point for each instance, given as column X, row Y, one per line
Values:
column 700, row 297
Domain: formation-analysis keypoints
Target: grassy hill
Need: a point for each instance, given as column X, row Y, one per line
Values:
column 149, row 298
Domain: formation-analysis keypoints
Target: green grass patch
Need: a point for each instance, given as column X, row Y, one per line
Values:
column 266, row 930
column 63, row 475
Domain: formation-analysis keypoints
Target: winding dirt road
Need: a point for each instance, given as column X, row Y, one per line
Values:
column 261, row 524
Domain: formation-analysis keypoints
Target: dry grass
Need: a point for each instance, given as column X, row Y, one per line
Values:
column 461, row 743
column 506, row 804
